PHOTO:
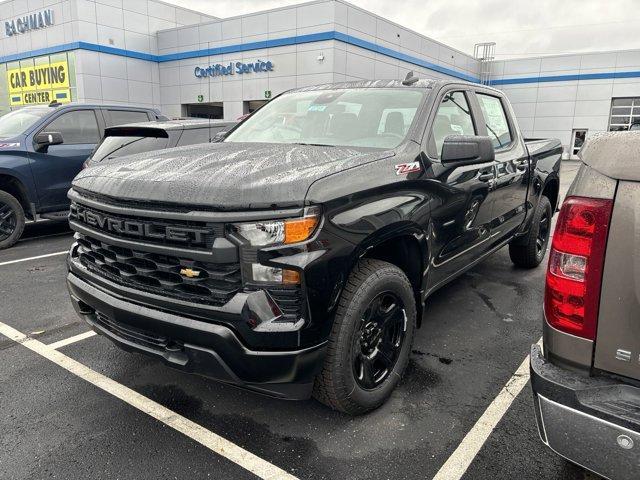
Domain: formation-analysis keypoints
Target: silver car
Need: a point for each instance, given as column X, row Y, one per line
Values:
column 586, row 378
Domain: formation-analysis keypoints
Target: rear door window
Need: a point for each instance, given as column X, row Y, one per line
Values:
column 119, row 146
column 123, row 117
column 496, row 120
column 453, row 118
column 77, row 127
column 194, row 135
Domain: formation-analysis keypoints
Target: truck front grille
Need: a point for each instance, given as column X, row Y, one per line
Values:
column 174, row 277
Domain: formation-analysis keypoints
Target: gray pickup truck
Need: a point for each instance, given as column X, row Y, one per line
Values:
column 586, row 382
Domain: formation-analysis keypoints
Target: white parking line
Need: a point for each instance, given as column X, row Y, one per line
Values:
column 34, row 258
column 207, row 438
column 70, row 340
column 456, row 465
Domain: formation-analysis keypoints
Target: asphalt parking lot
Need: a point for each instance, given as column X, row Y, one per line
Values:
column 97, row 412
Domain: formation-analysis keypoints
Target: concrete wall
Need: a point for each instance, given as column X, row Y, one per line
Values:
column 555, row 108
column 99, row 77
column 294, row 65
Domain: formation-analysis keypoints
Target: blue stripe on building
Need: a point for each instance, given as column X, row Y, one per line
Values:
column 309, row 38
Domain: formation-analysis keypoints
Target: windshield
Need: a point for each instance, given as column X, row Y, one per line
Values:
column 113, row 147
column 19, row 121
column 364, row 117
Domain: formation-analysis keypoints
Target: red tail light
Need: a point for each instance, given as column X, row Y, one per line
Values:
column 574, row 276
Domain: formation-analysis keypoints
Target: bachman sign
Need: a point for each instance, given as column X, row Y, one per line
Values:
column 31, row 21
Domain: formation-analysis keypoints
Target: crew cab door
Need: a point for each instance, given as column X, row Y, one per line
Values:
column 512, row 165
column 55, row 166
column 462, row 213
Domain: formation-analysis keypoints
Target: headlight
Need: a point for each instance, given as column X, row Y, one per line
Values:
column 280, row 232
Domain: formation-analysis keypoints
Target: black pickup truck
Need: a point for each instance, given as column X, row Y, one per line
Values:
column 294, row 257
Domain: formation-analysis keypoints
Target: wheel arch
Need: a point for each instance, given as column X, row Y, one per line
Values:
column 15, row 187
column 407, row 249
column 551, row 190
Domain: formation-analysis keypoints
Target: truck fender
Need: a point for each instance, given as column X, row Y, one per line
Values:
column 403, row 244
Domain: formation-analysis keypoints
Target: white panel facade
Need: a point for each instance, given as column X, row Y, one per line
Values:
column 556, row 108
column 298, row 65
column 551, row 95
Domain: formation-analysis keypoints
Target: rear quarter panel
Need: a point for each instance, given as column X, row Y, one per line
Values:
column 618, row 336
column 563, row 348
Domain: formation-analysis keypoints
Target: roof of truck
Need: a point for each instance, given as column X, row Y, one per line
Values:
column 55, row 105
column 425, row 83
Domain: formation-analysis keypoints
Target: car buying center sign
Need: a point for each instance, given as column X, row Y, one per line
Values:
column 39, row 84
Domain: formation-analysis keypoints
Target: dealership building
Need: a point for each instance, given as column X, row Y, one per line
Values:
column 186, row 63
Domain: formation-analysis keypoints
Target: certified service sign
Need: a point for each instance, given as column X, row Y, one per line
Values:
column 39, row 84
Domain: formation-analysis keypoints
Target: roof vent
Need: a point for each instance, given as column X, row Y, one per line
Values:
column 410, row 79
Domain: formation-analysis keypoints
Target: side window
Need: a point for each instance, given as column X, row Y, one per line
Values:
column 194, row 135
column 77, row 127
column 453, row 118
column 122, row 117
column 496, row 118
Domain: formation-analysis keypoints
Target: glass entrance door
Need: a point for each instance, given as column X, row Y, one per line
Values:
column 577, row 140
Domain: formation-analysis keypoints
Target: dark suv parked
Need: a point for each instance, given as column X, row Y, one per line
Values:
column 149, row 136
column 41, row 149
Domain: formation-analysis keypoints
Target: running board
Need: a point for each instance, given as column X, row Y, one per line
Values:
column 61, row 215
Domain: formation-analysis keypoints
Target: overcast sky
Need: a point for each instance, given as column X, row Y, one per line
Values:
column 518, row 27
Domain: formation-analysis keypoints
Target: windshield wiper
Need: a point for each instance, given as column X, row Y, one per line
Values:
column 313, row 144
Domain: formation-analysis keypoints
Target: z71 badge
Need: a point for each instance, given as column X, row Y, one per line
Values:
column 405, row 168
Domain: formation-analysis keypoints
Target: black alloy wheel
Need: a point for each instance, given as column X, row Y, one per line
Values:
column 8, row 221
column 370, row 341
column 378, row 341
column 529, row 250
column 544, row 227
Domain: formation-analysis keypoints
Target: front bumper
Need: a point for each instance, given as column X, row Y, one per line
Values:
column 591, row 421
column 194, row 345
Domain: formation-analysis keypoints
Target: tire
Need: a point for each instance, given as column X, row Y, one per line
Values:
column 530, row 252
column 12, row 220
column 372, row 286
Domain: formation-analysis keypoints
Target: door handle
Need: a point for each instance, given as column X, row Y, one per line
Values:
column 485, row 177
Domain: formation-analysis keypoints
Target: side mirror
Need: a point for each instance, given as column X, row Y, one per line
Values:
column 218, row 137
column 467, row 150
column 45, row 139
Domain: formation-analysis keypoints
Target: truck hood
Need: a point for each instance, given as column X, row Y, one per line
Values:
column 223, row 176
column 614, row 154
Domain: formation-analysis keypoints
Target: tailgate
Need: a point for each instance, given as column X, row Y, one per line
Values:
column 618, row 338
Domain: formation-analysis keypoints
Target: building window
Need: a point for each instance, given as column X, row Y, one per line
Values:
column 624, row 113
column 578, row 137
